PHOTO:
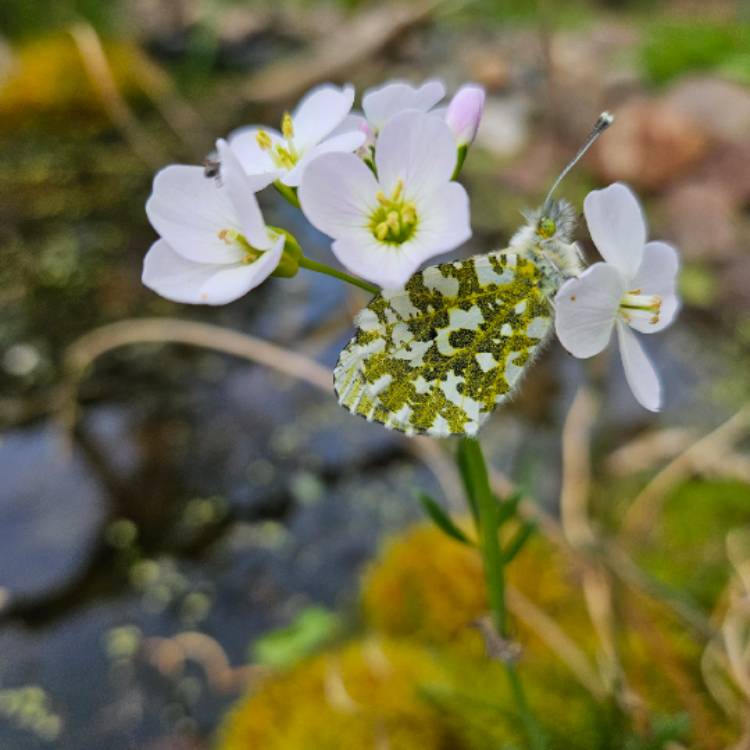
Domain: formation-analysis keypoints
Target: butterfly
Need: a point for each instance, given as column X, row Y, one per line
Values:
column 436, row 356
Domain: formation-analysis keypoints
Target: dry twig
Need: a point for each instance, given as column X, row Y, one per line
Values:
column 335, row 55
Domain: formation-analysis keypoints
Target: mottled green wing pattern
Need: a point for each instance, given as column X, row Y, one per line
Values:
column 437, row 355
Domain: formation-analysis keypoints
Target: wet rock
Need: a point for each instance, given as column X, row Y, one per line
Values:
column 652, row 145
column 51, row 511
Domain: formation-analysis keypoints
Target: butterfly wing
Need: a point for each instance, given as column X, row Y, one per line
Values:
column 436, row 356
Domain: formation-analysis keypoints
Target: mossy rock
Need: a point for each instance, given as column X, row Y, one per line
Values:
column 363, row 695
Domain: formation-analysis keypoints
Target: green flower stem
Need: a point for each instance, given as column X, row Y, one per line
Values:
column 494, row 574
column 313, row 265
column 288, row 192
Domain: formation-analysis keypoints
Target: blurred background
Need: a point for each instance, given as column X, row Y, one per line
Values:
column 183, row 531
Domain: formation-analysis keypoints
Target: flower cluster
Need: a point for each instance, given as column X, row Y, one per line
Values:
column 381, row 183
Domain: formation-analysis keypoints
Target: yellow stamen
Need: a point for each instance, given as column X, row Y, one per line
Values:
column 637, row 306
column 263, row 140
column 230, row 236
column 284, row 157
column 381, row 230
column 287, row 126
column 409, row 213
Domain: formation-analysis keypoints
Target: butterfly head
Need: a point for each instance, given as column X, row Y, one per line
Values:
column 546, row 238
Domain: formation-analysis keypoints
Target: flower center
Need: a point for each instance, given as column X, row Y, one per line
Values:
column 394, row 221
column 637, row 306
column 233, row 237
column 283, row 155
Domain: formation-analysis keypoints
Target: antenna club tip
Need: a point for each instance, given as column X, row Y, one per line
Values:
column 606, row 119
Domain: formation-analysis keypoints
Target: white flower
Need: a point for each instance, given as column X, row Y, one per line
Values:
column 384, row 227
column 464, row 113
column 214, row 245
column 635, row 288
column 383, row 103
column 272, row 155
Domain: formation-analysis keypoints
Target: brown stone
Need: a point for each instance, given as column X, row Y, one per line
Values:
column 701, row 219
column 651, row 144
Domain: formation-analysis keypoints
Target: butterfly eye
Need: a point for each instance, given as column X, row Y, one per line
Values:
column 546, row 227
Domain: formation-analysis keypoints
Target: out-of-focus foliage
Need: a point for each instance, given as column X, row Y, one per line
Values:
column 422, row 598
column 687, row 546
column 48, row 76
column 669, row 50
column 312, row 629
column 26, row 17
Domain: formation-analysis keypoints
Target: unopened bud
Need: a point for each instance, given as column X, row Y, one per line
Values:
column 465, row 112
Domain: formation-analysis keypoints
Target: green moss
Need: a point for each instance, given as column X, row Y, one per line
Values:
column 687, row 550
column 364, row 695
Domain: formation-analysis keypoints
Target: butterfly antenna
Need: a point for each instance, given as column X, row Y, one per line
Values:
column 604, row 120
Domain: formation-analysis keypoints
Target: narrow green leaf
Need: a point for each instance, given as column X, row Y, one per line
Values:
column 508, row 508
column 441, row 519
column 518, row 541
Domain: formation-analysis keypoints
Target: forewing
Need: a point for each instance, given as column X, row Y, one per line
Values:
column 436, row 356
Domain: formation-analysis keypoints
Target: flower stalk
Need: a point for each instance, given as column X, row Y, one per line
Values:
column 488, row 517
column 313, row 265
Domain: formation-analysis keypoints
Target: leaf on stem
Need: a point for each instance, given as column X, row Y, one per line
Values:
column 518, row 541
column 508, row 508
column 442, row 520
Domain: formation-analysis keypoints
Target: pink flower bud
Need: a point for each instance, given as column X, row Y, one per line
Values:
column 465, row 112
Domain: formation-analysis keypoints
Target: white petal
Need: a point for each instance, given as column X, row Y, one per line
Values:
column 180, row 280
column 256, row 162
column 382, row 103
column 337, row 193
column 443, row 222
column 617, row 226
column 242, row 196
column 639, row 372
column 356, row 123
column 189, row 210
column 319, row 113
column 586, row 309
column 344, row 143
column 388, row 266
column 417, row 148
column 658, row 275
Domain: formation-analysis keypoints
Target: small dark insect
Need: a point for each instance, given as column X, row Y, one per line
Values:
column 212, row 168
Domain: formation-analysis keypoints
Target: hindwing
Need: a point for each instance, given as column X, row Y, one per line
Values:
column 436, row 356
